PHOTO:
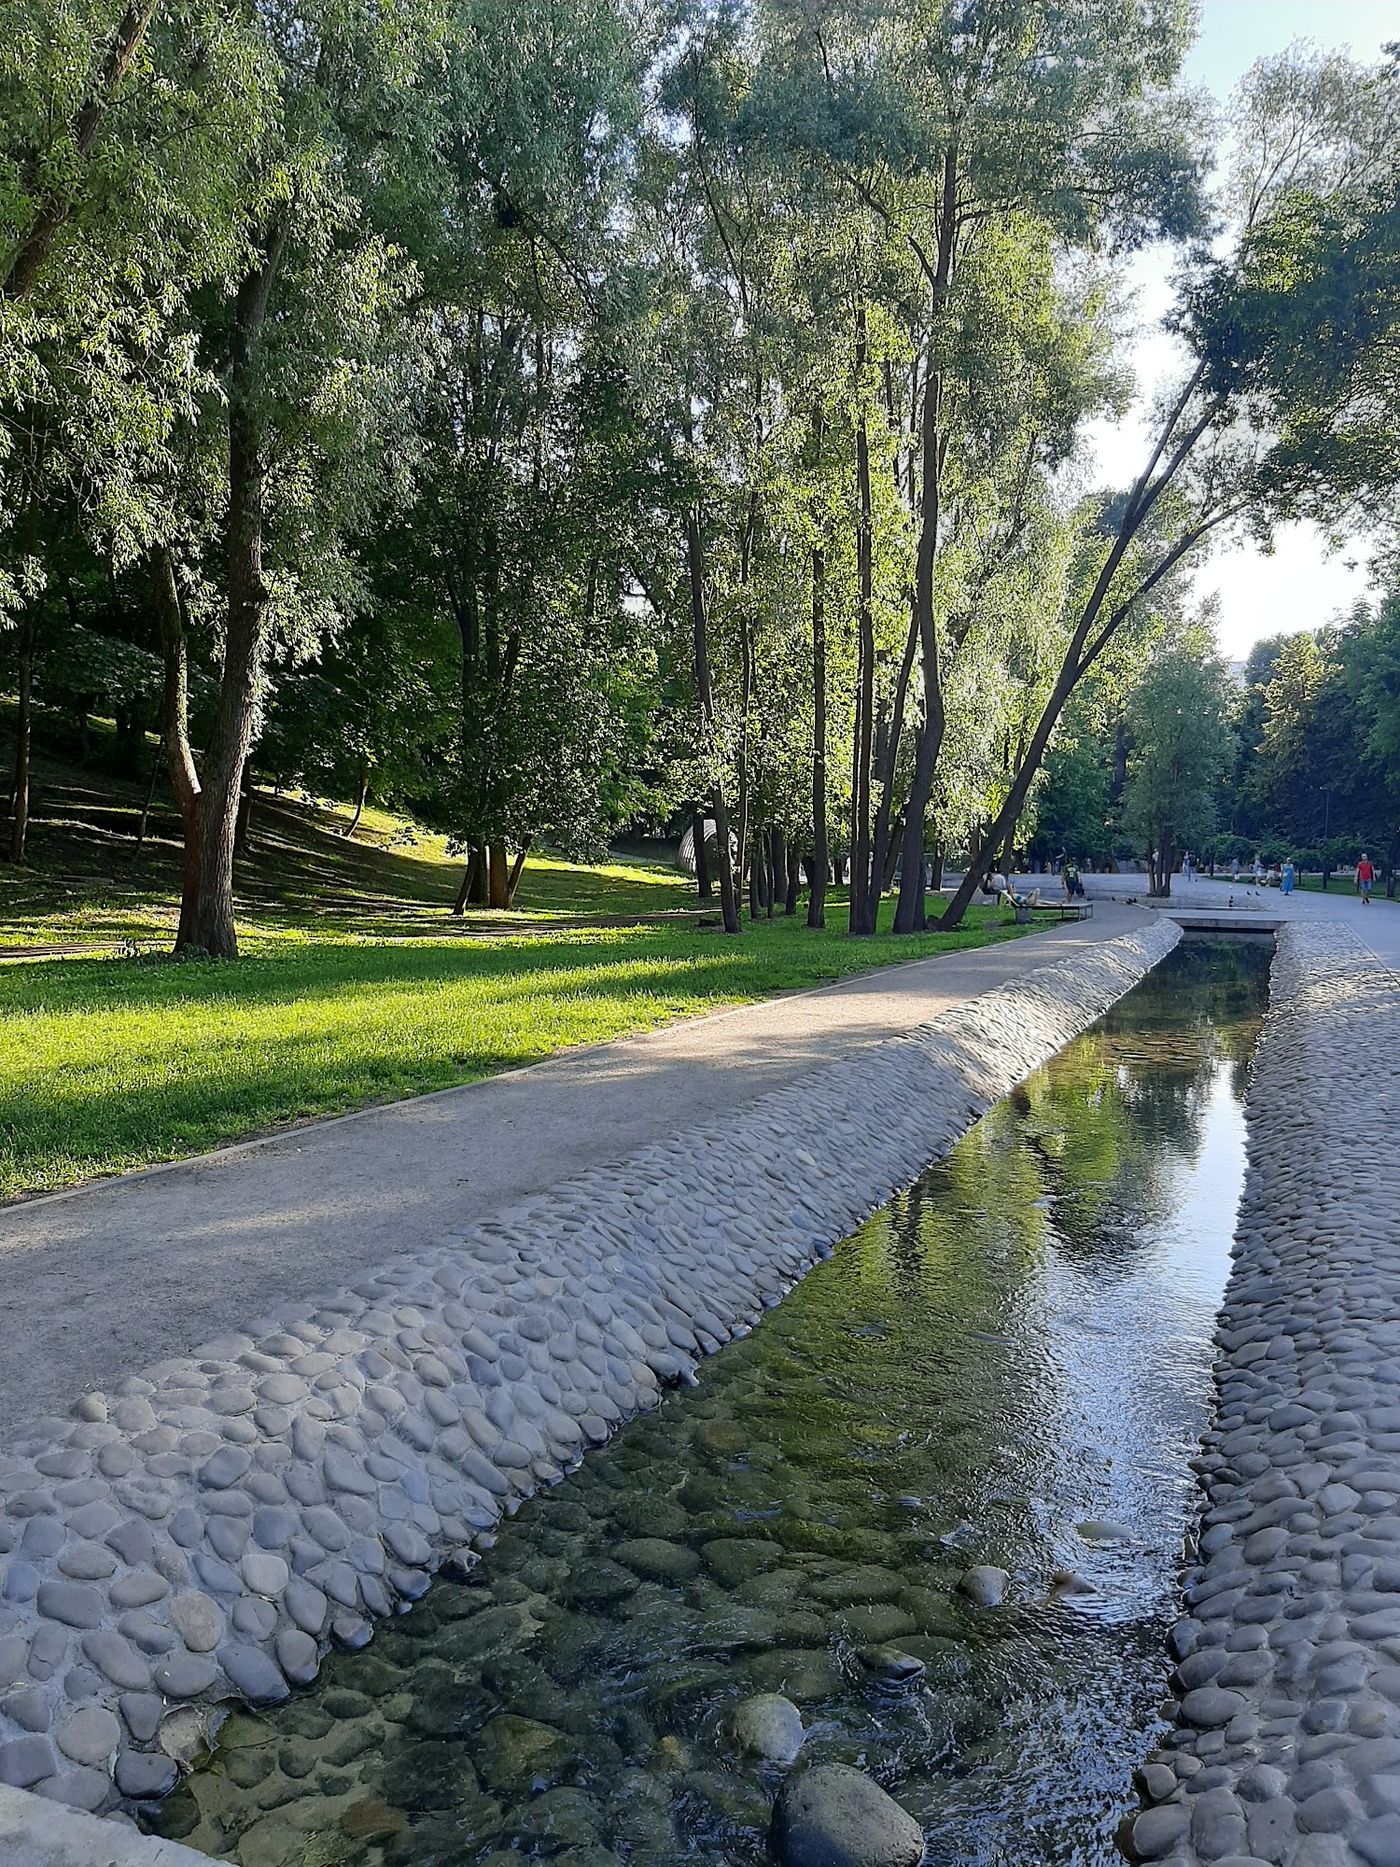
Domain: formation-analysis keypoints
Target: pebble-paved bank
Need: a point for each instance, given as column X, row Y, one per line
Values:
column 1287, row 1746
column 204, row 1532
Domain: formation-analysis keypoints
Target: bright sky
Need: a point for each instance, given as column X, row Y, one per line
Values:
column 1299, row 586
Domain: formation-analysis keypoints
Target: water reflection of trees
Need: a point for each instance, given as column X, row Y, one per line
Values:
column 1077, row 1162
column 1118, row 1117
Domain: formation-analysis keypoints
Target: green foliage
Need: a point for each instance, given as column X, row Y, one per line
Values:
column 464, row 310
column 1180, row 748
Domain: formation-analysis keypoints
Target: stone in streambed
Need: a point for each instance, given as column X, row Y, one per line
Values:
column 1065, row 1583
column 515, row 1753
column 1101, row 1530
column 372, row 1820
column 721, row 1438
column 875, row 1623
column 656, row 1560
column 800, row 1673
column 890, row 1664
column 834, row 1816
column 768, row 1726
column 985, row 1585
column 737, row 1559
column 597, row 1583
column 861, row 1583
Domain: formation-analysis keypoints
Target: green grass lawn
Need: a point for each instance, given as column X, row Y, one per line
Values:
column 107, row 1064
column 356, row 985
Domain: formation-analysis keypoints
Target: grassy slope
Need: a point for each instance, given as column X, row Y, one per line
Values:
column 88, row 881
column 356, row 985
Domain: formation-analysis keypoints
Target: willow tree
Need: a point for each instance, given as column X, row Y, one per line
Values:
column 1304, row 127
column 951, row 123
column 1180, row 745
column 125, row 139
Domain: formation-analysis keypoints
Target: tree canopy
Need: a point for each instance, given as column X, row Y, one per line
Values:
column 558, row 421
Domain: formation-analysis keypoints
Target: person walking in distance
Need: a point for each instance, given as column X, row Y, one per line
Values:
column 1365, row 878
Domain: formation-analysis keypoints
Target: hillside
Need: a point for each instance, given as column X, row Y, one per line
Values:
column 91, row 877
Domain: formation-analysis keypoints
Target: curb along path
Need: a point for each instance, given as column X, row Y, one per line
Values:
column 204, row 1531
column 1287, row 1748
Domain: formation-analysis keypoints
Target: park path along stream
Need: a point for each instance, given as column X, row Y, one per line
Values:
column 1009, row 1365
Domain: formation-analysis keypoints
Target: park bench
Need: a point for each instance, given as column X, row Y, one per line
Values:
column 1061, row 910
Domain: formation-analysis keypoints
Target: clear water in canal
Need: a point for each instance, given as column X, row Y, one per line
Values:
column 1009, row 1365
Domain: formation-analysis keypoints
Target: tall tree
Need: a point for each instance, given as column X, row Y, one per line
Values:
column 1178, row 723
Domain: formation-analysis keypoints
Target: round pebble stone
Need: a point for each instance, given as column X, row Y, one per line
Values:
column 145, row 1775
column 89, row 1735
column 199, row 1619
column 297, row 1655
column 835, row 1816
column 185, row 1675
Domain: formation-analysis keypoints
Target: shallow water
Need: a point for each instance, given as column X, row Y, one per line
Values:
column 1017, row 1346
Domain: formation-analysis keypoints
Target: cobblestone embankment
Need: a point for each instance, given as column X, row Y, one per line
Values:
column 1286, row 1751
column 203, row 1532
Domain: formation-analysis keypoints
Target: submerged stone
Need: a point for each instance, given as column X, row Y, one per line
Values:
column 768, row 1726
column 834, row 1816
column 890, row 1663
column 657, row 1560
column 985, row 1585
column 1101, row 1530
column 512, row 1753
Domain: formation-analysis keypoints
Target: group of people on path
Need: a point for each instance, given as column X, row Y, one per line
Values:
column 1286, row 877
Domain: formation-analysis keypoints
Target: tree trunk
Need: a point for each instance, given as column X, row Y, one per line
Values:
column 889, row 824
column 246, row 630
column 517, row 869
column 705, row 700
column 497, row 875
column 1120, row 763
column 816, row 899
column 794, row 879
column 746, row 680
column 19, row 797
column 360, row 796
column 755, row 840
column 906, row 914
column 775, row 860
column 892, row 853
column 245, row 814
column 862, row 919
column 472, row 888
column 704, row 887
column 175, row 730
column 1091, row 634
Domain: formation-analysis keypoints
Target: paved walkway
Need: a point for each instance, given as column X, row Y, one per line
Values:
column 119, row 1274
column 1378, row 924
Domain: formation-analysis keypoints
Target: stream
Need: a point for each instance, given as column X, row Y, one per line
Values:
column 1009, row 1364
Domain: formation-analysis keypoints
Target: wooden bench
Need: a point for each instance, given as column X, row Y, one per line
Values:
column 1061, row 910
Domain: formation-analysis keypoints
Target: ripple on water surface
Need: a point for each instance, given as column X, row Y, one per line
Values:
column 1009, row 1364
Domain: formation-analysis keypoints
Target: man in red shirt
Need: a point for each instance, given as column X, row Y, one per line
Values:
column 1365, row 875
